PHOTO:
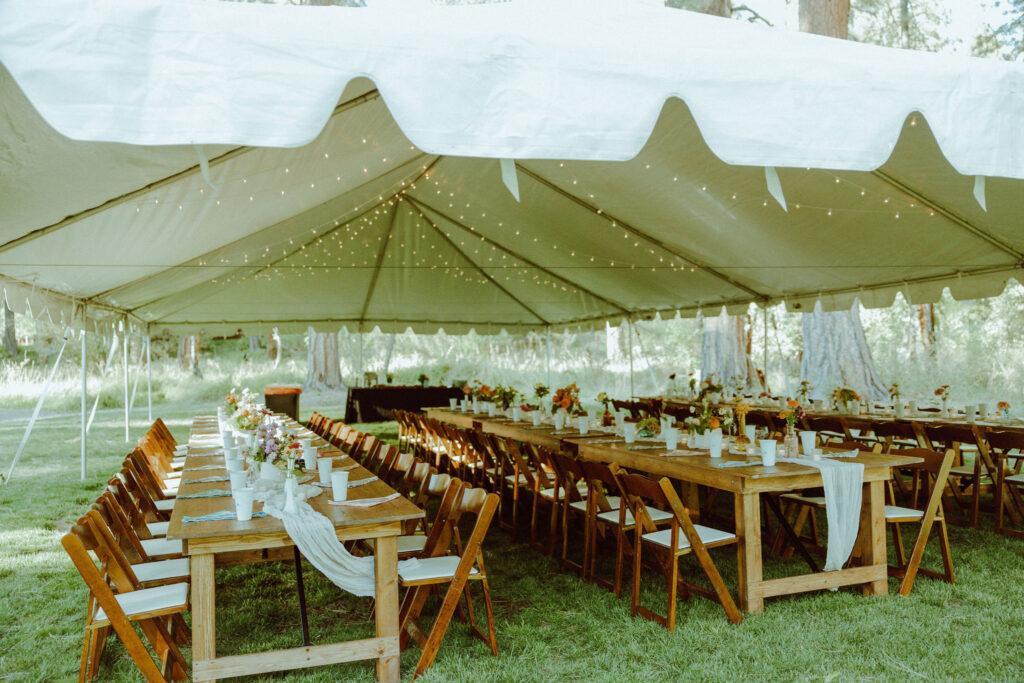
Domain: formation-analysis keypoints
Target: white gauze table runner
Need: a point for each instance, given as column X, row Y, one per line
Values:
column 317, row 540
column 843, row 483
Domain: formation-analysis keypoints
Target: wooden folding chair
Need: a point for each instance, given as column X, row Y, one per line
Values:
column 455, row 570
column 1008, row 453
column 965, row 439
column 150, row 608
column 668, row 545
column 515, row 477
column 933, row 474
column 160, row 548
column 556, row 496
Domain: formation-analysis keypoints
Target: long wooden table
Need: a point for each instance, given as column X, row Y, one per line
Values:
column 204, row 542
column 746, row 484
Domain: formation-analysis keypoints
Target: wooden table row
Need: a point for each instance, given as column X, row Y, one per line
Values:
column 208, row 544
column 746, row 484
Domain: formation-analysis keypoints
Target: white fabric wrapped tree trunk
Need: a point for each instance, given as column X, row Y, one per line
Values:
column 836, row 354
column 323, row 367
column 724, row 353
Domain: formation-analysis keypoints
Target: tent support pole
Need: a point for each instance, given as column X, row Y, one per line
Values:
column 85, row 399
column 149, row 383
column 765, row 367
column 548, row 355
column 359, row 372
column 629, row 323
column 127, row 424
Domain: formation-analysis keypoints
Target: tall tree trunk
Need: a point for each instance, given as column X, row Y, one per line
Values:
column 724, row 353
column 825, row 17
column 10, row 334
column 836, row 354
column 905, row 22
column 323, row 366
column 275, row 343
column 720, row 8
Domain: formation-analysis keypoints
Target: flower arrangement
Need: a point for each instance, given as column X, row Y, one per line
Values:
column 422, row 379
column 505, row 396
column 276, row 447
column 467, row 390
column 540, row 391
column 648, row 427
column 481, row 391
column 794, row 412
column 843, row 395
column 249, row 417
column 709, row 387
column 738, row 385
column 894, row 392
column 568, row 399
column 232, row 400
column 1004, row 408
column 692, row 384
column 604, row 400
column 804, row 392
column 707, row 419
column 942, row 393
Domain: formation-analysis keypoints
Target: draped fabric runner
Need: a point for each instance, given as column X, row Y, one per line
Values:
column 844, row 484
column 317, row 540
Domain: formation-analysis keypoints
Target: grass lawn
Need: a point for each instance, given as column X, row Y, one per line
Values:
column 551, row 625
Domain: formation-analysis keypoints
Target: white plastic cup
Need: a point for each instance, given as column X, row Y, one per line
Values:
column 339, row 485
column 912, row 407
column 309, row 453
column 476, row 405
column 535, row 416
column 808, row 441
column 228, row 438
column 671, row 438
column 324, row 467
column 235, row 465
column 453, row 403
column 515, row 413
column 620, row 418
column 982, row 411
column 751, row 432
column 559, row 420
column 243, row 503
column 237, row 479
column 715, row 443
column 583, row 424
column 629, row 431
column 768, row 447
column 969, row 413
column 898, row 408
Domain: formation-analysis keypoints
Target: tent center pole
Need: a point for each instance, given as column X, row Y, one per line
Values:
column 547, row 353
column 84, row 399
column 127, row 425
column 149, row 383
column 765, row 366
column 629, row 324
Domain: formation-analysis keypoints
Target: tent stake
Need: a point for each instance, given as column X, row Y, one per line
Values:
column 149, row 383
column 84, row 433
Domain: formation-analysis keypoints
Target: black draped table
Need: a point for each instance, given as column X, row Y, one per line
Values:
column 375, row 404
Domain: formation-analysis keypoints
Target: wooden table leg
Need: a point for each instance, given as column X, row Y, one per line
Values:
column 872, row 523
column 748, row 551
column 386, row 615
column 204, row 633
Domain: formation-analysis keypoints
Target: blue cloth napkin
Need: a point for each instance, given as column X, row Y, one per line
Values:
column 212, row 493
column 217, row 516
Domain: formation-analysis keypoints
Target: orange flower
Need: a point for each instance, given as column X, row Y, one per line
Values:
column 565, row 402
column 714, row 423
column 792, row 403
column 784, row 415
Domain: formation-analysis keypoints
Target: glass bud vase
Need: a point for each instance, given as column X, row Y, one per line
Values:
column 791, row 442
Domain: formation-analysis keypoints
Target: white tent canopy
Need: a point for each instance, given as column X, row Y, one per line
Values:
column 354, row 175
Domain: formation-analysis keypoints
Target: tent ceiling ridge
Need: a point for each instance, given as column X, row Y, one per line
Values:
column 380, row 259
column 157, row 184
column 248, row 236
column 692, row 260
column 477, row 266
column 949, row 215
column 423, row 205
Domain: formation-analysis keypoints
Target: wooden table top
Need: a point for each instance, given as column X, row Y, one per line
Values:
column 397, row 510
column 689, row 465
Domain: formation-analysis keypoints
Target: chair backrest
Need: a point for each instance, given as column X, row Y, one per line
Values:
column 600, row 480
column 481, row 504
column 445, row 520
column 762, row 419
column 894, row 429
column 631, row 407
column 830, row 425
column 857, row 446
column 933, row 472
column 567, row 473
column 1004, row 442
column 638, row 490
column 946, row 435
column 118, row 523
